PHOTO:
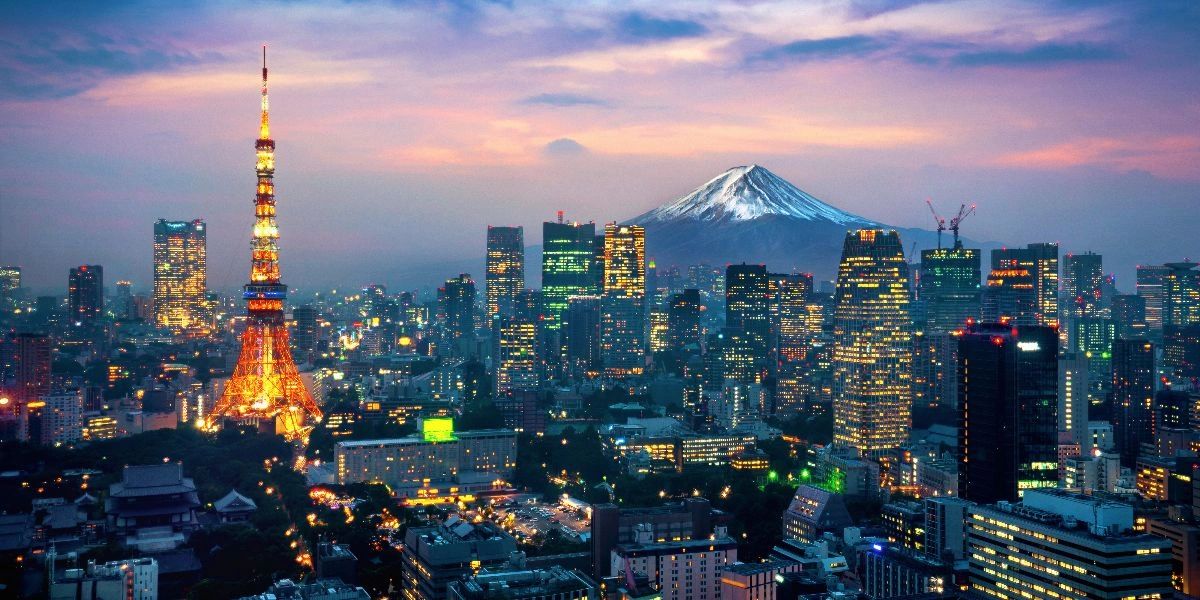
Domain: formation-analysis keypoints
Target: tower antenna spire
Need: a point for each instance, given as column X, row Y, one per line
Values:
column 264, row 128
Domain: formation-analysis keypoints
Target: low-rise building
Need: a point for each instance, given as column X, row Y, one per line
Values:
column 813, row 511
column 1066, row 545
column 131, row 579
column 1185, row 549
column 433, row 557
column 439, row 464
column 555, row 583
column 890, row 572
column 754, row 581
column 682, row 570
column 693, row 518
column 321, row 589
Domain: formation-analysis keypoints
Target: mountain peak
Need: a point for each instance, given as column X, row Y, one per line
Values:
column 745, row 193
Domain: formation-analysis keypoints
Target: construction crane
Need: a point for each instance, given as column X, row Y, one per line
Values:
column 963, row 213
column 940, row 220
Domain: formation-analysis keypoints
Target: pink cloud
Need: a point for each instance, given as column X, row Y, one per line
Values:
column 1173, row 156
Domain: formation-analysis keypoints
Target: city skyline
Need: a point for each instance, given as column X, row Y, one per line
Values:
column 871, row 107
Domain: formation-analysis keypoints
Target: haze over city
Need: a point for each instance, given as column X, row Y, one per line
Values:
column 405, row 128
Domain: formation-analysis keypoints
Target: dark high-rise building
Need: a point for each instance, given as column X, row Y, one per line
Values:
column 47, row 310
column 623, row 301
column 872, row 355
column 1173, row 409
column 1150, row 288
column 1008, row 411
column 1133, row 378
column 1082, row 281
column 505, row 275
column 180, row 274
column 568, row 256
column 935, row 380
column 581, row 336
column 598, row 264
column 949, row 287
column 683, row 319
column 26, row 366
column 85, row 294
column 458, row 302
column 1010, row 297
column 124, row 306
column 1041, row 260
column 1181, row 352
column 1129, row 316
column 747, row 308
column 307, row 330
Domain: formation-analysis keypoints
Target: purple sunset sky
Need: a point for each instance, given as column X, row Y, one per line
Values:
column 404, row 128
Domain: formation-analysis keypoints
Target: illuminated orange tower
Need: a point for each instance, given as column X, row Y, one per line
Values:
column 265, row 385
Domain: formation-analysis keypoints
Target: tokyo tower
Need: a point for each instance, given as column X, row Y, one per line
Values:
column 265, row 386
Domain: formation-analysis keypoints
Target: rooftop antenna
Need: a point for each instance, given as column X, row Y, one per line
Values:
column 940, row 220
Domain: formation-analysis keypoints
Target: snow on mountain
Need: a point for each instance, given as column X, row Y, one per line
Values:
column 746, row 193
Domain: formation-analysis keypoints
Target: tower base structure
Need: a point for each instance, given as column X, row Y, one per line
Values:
column 265, row 390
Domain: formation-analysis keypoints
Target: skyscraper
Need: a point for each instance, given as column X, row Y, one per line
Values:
column 1008, row 411
column 306, row 329
column 1073, row 403
column 1180, row 295
column 872, row 355
column 1010, row 297
column 792, row 333
column 1129, row 316
column 10, row 282
column 180, row 273
column 567, row 267
column 505, row 276
column 950, row 287
column 747, row 308
column 458, row 303
column 1083, row 278
column 1133, row 378
column 1041, row 260
column 622, row 304
column 683, row 319
column 516, row 359
column 265, row 388
column 1093, row 338
column 1150, row 288
column 125, row 307
column 85, row 294
column 581, row 336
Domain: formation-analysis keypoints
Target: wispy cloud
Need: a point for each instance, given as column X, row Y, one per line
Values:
column 58, row 66
column 564, row 100
column 639, row 26
column 819, row 49
column 647, row 58
column 1040, row 55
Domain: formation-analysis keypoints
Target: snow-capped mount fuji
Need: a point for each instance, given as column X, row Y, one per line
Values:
column 749, row 214
column 747, row 193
